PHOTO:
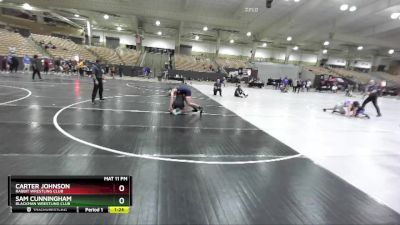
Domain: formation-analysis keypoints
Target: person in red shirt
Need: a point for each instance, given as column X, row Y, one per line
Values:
column 46, row 65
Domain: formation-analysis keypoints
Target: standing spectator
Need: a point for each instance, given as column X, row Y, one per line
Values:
column 285, row 84
column 46, row 66
column 81, row 67
column 120, row 69
column 107, row 69
column 97, row 81
column 303, row 85
column 57, row 64
column 308, row 85
column 4, row 64
column 36, row 66
column 9, row 63
column 27, row 63
column 112, row 71
column 223, row 81
column 14, row 64
column 295, row 83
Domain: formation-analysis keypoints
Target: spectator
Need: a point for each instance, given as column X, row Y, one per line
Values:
column 46, row 65
column 308, row 85
column 14, row 64
column 107, row 69
column 120, row 69
column 112, row 71
column 36, row 66
column 239, row 92
column 217, row 88
column 27, row 63
column 81, row 68
column 57, row 64
column 295, row 86
column 9, row 63
column 4, row 64
column 334, row 88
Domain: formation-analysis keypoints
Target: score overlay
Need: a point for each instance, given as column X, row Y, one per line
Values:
column 70, row 194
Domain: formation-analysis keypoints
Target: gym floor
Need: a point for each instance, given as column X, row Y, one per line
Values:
column 214, row 169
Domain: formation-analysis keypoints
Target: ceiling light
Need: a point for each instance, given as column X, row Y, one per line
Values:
column 344, row 7
column 295, row 48
column 119, row 28
column 76, row 15
column 205, row 28
column 232, row 41
column 106, row 17
column 324, row 51
column 27, row 6
column 359, row 48
column 395, row 15
column 196, row 37
column 296, row 0
column 159, row 33
column 248, row 34
column 391, row 51
column 158, row 23
column 326, row 43
column 353, row 8
column 289, row 38
column 264, row 45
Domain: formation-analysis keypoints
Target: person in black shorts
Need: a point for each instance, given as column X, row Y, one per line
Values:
column 178, row 105
column 184, row 91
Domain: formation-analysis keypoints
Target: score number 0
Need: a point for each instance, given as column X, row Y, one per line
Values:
column 121, row 200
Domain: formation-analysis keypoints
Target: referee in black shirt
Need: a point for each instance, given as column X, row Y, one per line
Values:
column 97, row 75
column 372, row 90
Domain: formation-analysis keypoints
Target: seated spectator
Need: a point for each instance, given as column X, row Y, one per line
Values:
column 240, row 93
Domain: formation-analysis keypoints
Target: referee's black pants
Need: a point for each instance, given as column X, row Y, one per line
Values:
column 97, row 87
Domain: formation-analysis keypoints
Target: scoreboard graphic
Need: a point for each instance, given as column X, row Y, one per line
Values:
column 70, row 194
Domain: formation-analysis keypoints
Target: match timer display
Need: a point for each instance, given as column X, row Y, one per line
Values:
column 70, row 194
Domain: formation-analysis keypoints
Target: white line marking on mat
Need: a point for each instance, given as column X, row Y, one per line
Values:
column 103, row 148
column 147, row 111
column 15, row 100
column 156, row 155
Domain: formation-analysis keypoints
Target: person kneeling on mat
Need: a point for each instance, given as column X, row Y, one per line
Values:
column 217, row 88
column 348, row 108
column 186, row 93
column 240, row 93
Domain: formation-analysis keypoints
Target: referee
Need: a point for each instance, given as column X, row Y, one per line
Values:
column 372, row 90
column 97, row 76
